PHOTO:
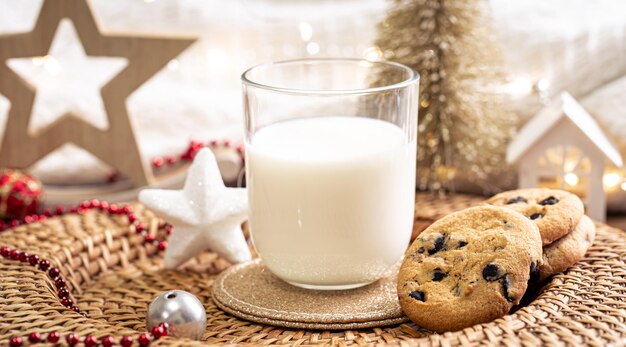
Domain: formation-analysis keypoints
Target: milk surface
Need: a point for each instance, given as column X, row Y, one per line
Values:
column 331, row 199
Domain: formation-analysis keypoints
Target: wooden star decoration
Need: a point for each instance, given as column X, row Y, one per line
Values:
column 116, row 145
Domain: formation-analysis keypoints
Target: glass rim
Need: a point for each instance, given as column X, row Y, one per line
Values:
column 413, row 77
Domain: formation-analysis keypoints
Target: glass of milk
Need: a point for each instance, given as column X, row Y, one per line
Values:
column 330, row 168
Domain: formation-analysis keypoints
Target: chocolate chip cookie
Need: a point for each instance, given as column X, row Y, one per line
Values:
column 469, row 267
column 556, row 212
column 569, row 249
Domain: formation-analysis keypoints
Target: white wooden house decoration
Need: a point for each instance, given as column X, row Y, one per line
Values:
column 563, row 147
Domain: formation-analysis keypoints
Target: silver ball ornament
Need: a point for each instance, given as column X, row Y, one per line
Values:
column 182, row 311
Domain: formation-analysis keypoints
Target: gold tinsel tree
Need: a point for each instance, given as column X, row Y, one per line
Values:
column 463, row 129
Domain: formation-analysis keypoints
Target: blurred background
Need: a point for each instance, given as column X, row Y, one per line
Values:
column 546, row 47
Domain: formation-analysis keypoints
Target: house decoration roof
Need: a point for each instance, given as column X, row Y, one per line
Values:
column 565, row 107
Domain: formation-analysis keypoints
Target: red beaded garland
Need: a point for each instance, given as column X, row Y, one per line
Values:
column 126, row 341
column 44, row 265
column 144, row 339
column 158, row 332
column 107, row 341
column 15, row 341
column 90, row 341
column 60, row 283
column 53, row 337
column 33, row 259
column 55, row 273
column 34, row 337
column 23, row 257
column 71, row 339
column 63, row 293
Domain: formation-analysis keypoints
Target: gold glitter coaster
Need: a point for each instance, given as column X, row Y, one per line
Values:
column 250, row 291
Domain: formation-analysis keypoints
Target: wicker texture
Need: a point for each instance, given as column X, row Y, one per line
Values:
column 114, row 277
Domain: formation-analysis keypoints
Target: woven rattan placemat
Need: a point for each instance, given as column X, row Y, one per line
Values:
column 114, row 277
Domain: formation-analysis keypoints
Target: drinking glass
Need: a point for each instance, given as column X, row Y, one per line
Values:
column 330, row 168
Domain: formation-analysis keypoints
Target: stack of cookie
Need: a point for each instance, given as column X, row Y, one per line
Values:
column 474, row 265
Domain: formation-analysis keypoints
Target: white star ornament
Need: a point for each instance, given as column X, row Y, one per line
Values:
column 205, row 214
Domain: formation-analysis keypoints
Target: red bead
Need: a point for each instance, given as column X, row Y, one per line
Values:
column 126, row 341
column 107, row 341
column 5, row 252
column 60, row 283
column 140, row 227
column 157, row 162
column 240, row 148
column 104, row 205
column 14, row 223
column 72, row 339
column 165, row 326
column 227, row 143
column 28, row 219
column 33, row 259
column 113, row 209
column 85, row 204
column 53, row 337
column 213, row 143
column 63, row 293
column 59, row 210
column 196, row 145
column 144, row 339
column 44, row 265
column 132, row 218
column 15, row 254
column 15, row 341
column 67, row 302
column 23, row 257
column 47, row 212
column 42, row 217
column 126, row 210
column 54, row 272
column 95, row 203
column 90, row 341
column 149, row 238
column 162, row 245
column 170, row 159
column 75, row 309
column 73, row 209
column 34, row 337
column 158, row 331
column 168, row 228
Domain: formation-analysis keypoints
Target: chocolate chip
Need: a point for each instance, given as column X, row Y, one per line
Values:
column 516, row 200
column 506, row 285
column 462, row 244
column 439, row 245
column 491, row 272
column 536, row 215
column 551, row 200
column 438, row 275
column 420, row 250
column 417, row 295
column 534, row 271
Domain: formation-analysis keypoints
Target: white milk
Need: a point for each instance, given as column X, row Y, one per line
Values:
column 331, row 199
